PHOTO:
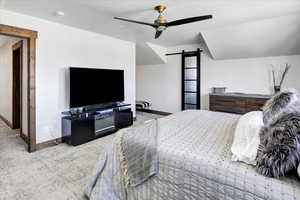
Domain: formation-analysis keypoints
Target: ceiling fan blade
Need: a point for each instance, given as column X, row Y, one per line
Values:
column 137, row 22
column 157, row 34
column 188, row 20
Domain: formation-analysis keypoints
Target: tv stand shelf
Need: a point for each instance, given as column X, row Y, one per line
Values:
column 96, row 108
column 95, row 122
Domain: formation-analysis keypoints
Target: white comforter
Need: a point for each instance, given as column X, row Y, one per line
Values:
column 194, row 164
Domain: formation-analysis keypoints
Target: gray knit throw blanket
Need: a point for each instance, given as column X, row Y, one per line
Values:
column 138, row 153
column 279, row 149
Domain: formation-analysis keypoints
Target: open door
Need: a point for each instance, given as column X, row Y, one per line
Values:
column 17, row 85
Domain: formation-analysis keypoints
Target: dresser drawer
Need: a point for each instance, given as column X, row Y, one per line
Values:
column 227, row 104
column 255, row 104
column 229, row 109
column 227, row 101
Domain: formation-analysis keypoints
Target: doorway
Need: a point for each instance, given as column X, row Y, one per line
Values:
column 17, row 53
column 30, row 36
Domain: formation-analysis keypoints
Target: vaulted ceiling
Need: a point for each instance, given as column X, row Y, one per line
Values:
column 278, row 36
column 232, row 20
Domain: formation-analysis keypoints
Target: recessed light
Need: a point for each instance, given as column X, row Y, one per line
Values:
column 59, row 13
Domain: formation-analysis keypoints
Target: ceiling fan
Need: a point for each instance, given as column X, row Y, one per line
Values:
column 161, row 24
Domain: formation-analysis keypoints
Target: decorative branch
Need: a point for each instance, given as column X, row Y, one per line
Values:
column 280, row 75
column 286, row 69
column 273, row 75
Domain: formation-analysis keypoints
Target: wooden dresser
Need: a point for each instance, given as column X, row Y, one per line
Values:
column 238, row 103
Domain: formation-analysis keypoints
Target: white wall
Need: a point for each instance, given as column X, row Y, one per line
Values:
column 59, row 47
column 6, row 81
column 161, row 84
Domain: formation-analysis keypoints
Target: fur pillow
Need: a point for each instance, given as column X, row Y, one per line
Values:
column 278, row 103
column 279, row 149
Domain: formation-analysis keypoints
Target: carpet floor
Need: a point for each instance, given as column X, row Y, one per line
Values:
column 60, row 172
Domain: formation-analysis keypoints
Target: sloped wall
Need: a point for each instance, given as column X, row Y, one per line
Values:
column 150, row 54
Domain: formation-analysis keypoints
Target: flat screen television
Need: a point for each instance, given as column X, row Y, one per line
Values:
column 95, row 86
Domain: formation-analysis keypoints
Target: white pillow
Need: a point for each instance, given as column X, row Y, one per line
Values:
column 246, row 137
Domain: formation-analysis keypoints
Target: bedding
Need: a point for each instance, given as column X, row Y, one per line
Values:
column 278, row 103
column 279, row 149
column 138, row 153
column 194, row 160
column 246, row 137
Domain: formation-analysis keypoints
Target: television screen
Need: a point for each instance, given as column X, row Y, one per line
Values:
column 95, row 86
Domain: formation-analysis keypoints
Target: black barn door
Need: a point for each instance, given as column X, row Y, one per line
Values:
column 191, row 80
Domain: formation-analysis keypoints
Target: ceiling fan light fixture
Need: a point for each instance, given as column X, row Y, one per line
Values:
column 160, row 8
column 160, row 20
column 161, row 24
column 161, row 28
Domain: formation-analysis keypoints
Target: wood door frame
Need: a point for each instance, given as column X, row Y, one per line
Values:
column 16, row 46
column 31, row 37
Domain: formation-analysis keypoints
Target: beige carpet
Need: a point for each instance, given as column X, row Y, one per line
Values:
column 55, row 173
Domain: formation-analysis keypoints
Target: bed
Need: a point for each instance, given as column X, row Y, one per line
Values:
column 194, row 160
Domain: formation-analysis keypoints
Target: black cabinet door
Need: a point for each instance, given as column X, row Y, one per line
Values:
column 124, row 118
column 82, row 131
column 191, row 80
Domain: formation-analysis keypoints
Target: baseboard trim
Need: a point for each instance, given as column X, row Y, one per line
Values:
column 6, row 121
column 24, row 137
column 49, row 143
column 156, row 112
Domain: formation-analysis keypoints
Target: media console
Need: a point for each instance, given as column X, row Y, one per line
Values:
column 95, row 122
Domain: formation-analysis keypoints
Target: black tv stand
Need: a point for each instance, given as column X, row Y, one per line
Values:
column 94, row 122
